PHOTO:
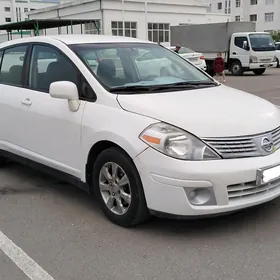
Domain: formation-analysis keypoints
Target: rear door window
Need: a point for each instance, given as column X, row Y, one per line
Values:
column 12, row 65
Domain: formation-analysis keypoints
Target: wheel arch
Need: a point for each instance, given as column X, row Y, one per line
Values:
column 231, row 61
column 104, row 144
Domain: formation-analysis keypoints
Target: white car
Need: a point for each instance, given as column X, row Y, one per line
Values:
column 164, row 145
column 196, row 58
column 277, row 45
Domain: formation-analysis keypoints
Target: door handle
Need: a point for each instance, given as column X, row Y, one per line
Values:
column 26, row 102
column 234, row 53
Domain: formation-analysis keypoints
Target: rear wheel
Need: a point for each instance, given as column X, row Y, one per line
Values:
column 118, row 188
column 259, row 71
column 236, row 68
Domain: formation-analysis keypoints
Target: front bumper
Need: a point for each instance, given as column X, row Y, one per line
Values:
column 167, row 181
column 262, row 65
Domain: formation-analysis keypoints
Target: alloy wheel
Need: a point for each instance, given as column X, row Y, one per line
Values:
column 115, row 188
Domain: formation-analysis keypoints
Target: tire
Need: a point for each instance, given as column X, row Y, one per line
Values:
column 236, row 68
column 2, row 161
column 259, row 72
column 277, row 62
column 122, row 214
column 209, row 69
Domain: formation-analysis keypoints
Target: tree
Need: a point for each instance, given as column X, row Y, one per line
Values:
column 275, row 35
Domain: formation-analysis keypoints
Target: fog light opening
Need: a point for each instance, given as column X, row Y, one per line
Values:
column 201, row 196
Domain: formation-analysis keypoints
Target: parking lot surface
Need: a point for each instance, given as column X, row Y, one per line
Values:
column 66, row 236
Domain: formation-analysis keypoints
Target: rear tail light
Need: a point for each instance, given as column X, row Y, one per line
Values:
column 202, row 57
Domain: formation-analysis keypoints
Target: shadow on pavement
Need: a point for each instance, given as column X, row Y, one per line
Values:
column 194, row 228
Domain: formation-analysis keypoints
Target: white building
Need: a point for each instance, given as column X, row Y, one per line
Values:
column 149, row 19
column 16, row 10
column 266, row 13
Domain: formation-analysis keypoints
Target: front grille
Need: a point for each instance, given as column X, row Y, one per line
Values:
column 244, row 146
column 265, row 60
column 276, row 137
column 230, row 148
column 247, row 190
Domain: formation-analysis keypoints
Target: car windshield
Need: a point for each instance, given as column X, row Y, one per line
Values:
column 139, row 66
column 262, row 42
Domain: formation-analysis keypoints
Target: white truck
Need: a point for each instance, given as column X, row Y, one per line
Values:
column 242, row 47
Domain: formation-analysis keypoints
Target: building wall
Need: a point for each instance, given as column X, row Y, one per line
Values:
column 246, row 10
column 11, row 10
column 172, row 12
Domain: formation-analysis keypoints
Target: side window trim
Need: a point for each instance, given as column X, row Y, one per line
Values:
column 80, row 76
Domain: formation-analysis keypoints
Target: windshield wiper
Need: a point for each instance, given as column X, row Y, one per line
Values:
column 135, row 89
column 160, row 88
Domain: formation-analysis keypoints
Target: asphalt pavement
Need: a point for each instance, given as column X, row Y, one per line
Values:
column 54, row 231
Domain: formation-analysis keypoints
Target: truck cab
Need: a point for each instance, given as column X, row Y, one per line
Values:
column 251, row 51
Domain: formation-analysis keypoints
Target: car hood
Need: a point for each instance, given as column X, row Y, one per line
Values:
column 210, row 112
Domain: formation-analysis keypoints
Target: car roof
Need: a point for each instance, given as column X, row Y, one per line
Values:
column 76, row 39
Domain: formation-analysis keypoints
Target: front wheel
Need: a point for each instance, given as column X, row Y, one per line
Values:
column 259, row 71
column 118, row 188
column 236, row 68
column 277, row 62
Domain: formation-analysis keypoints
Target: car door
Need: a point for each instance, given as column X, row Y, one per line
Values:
column 238, row 49
column 50, row 132
column 11, row 87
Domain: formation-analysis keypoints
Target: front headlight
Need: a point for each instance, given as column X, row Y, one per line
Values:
column 253, row 59
column 176, row 143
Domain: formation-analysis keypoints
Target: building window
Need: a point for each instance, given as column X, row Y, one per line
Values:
column 158, row 32
column 227, row 6
column 220, row 6
column 92, row 28
column 269, row 2
column 32, row 9
column 130, row 28
column 7, row 9
column 237, row 3
column 253, row 17
column 8, row 19
column 18, row 14
column 268, row 17
column 237, row 18
column 254, row 2
column 26, row 10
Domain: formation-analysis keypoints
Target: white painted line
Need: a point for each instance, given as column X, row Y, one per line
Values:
column 22, row 260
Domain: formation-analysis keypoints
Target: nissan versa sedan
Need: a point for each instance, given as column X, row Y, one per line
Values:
column 173, row 142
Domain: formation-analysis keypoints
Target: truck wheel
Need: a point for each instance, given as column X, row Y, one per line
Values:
column 259, row 71
column 277, row 62
column 236, row 68
column 118, row 188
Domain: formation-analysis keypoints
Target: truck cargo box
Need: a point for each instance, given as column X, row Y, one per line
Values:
column 208, row 38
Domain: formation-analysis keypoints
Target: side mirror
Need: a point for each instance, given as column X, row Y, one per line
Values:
column 66, row 90
column 245, row 46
